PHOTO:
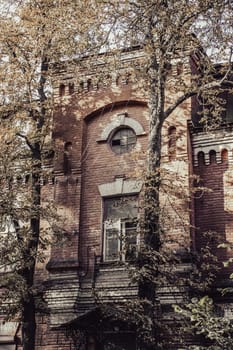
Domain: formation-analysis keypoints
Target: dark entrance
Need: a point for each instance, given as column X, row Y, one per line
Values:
column 96, row 331
column 117, row 341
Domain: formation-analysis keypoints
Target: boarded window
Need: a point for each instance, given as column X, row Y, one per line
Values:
column 123, row 140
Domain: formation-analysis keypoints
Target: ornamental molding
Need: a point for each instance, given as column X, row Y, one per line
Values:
column 120, row 186
column 212, row 141
column 119, row 120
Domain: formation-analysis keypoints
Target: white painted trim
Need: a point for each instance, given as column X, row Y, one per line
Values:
column 120, row 187
column 121, row 120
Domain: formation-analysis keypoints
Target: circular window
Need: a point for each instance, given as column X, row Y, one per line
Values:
column 123, row 140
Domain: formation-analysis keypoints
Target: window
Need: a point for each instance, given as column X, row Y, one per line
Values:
column 67, row 158
column 179, row 68
column 123, row 140
column 71, row 88
column 121, row 121
column 224, row 156
column 201, row 158
column 212, row 156
column 120, row 228
column 62, row 90
column 172, row 143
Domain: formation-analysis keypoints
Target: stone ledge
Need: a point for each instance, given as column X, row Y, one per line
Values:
column 58, row 265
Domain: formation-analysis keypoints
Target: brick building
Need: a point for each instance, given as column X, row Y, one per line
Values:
column 101, row 132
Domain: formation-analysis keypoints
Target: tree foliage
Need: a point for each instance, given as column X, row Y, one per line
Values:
column 173, row 32
column 34, row 35
column 207, row 321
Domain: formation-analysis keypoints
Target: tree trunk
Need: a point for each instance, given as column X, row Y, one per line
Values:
column 28, row 304
column 152, row 184
column 28, row 307
column 28, row 324
column 152, row 228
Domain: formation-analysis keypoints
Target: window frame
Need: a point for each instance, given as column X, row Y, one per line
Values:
column 123, row 147
column 120, row 224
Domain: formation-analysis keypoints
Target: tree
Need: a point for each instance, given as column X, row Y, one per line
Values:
column 206, row 322
column 169, row 31
column 34, row 35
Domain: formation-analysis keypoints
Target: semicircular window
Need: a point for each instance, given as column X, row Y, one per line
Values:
column 123, row 140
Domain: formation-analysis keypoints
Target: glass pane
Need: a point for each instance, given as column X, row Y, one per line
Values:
column 111, row 250
column 130, row 240
column 120, row 208
column 112, row 232
column 120, row 223
column 132, row 140
column 123, row 140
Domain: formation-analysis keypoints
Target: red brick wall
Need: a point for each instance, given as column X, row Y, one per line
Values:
column 101, row 165
column 210, row 206
column 80, row 120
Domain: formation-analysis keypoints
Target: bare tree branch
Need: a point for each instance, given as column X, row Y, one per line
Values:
column 184, row 97
column 26, row 140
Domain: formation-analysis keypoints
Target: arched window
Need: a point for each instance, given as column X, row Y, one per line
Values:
column 224, row 156
column 89, row 85
column 179, row 68
column 201, row 158
column 212, row 155
column 172, row 143
column 114, row 130
column 62, row 90
column 81, row 86
column 71, row 88
column 123, row 140
column 67, row 162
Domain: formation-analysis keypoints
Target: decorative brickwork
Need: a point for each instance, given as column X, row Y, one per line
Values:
column 87, row 170
column 212, row 154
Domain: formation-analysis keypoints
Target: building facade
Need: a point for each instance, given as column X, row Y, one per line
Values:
column 101, row 127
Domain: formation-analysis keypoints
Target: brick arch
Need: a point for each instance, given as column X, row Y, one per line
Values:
column 121, row 120
column 201, row 158
column 212, row 156
column 114, row 105
column 224, row 155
